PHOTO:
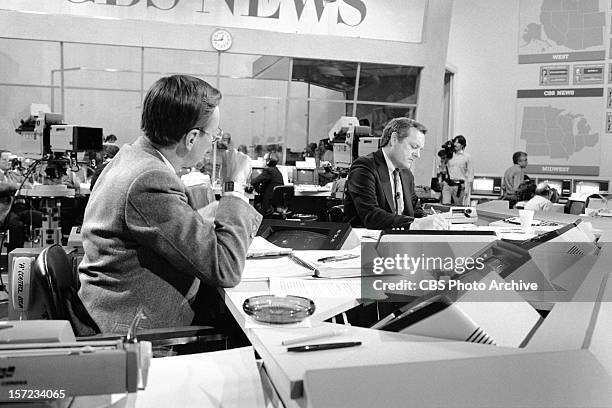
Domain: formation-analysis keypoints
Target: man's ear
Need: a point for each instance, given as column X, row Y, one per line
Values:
column 190, row 138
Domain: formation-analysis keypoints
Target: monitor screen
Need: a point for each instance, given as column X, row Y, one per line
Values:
column 482, row 186
column 255, row 172
column 298, row 239
column 305, row 176
column 587, row 187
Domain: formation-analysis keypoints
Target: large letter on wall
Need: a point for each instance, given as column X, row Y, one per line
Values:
column 150, row 3
column 82, row 1
column 299, row 7
column 254, row 8
column 114, row 3
column 359, row 6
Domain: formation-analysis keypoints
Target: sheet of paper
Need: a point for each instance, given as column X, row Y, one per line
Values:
column 227, row 378
column 278, row 266
column 313, row 288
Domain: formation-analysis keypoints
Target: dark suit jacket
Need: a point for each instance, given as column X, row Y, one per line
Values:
column 368, row 199
column 264, row 184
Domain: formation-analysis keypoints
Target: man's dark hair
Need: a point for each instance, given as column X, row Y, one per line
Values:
column 517, row 156
column 400, row 126
column 272, row 159
column 461, row 140
column 176, row 104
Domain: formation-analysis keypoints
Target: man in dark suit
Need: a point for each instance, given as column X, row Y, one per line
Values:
column 379, row 190
column 264, row 184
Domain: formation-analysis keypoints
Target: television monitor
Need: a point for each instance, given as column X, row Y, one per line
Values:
column 563, row 187
column 483, row 185
column 588, row 187
column 307, row 235
column 305, row 176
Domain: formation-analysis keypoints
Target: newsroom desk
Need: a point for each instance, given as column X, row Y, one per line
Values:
column 567, row 362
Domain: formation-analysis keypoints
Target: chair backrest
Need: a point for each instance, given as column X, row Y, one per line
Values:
column 55, row 291
column 282, row 197
column 335, row 213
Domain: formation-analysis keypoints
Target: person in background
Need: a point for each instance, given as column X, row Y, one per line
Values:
column 110, row 139
column 456, row 187
column 145, row 245
column 327, row 175
column 264, row 184
column 109, row 150
column 380, row 191
column 337, row 190
column 543, row 199
column 513, row 177
column 243, row 149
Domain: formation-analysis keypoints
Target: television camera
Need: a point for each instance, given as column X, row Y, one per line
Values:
column 350, row 141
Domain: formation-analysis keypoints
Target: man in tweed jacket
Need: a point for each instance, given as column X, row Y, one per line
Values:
column 145, row 246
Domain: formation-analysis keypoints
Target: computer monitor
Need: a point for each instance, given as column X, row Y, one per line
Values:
column 563, row 186
column 307, row 235
column 486, row 185
column 305, row 176
column 587, row 187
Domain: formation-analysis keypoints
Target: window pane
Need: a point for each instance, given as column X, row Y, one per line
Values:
column 338, row 76
column 28, row 62
column 253, row 121
column 388, row 83
column 311, row 121
column 379, row 115
column 160, row 62
column 114, row 111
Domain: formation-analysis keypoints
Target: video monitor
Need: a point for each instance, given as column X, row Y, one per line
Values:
column 483, row 185
column 554, row 184
column 587, row 187
column 563, row 186
column 305, row 176
column 305, row 235
column 256, row 172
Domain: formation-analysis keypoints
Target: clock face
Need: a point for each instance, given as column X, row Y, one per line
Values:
column 221, row 40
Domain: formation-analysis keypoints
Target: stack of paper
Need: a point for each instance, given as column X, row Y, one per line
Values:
column 262, row 247
column 264, row 268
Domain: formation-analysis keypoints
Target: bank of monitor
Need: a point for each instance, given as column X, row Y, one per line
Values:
column 486, row 185
column 563, row 186
column 588, row 187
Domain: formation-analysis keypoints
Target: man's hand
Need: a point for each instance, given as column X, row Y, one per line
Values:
column 236, row 167
column 431, row 222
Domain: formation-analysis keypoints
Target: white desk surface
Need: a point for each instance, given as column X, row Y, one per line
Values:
column 563, row 331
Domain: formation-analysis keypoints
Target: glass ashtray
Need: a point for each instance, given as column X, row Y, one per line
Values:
column 278, row 309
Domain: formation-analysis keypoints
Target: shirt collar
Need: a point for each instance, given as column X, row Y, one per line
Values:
column 390, row 165
column 170, row 166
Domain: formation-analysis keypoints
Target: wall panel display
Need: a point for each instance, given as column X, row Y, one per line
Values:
column 561, row 30
column 560, row 129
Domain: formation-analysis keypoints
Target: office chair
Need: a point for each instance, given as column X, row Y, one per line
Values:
column 55, row 286
column 282, row 200
column 335, row 213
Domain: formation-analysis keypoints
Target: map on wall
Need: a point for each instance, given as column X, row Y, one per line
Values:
column 561, row 30
column 559, row 127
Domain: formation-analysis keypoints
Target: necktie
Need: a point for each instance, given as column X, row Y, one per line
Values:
column 397, row 187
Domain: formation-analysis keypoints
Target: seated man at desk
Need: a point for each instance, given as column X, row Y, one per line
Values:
column 145, row 245
column 264, row 184
column 543, row 199
column 379, row 191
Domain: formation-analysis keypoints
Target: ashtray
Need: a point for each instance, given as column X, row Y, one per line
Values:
column 278, row 309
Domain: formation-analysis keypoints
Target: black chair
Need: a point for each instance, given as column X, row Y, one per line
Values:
column 336, row 213
column 55, row 286
column 282, row 201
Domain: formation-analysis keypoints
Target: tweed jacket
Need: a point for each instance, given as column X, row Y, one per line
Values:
column 368, row 198
column 146, row 246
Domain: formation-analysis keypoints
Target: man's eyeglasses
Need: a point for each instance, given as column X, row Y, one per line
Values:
column 216, row 135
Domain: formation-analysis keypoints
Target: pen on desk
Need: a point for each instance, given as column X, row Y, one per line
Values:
column 337, row 258
column 324, row 346
column 322, row 335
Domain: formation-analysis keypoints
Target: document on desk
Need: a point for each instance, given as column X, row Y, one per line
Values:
column 313, row 288
column 262, row 247
column 227, row 378
column 333, row 264
column 264, row 268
